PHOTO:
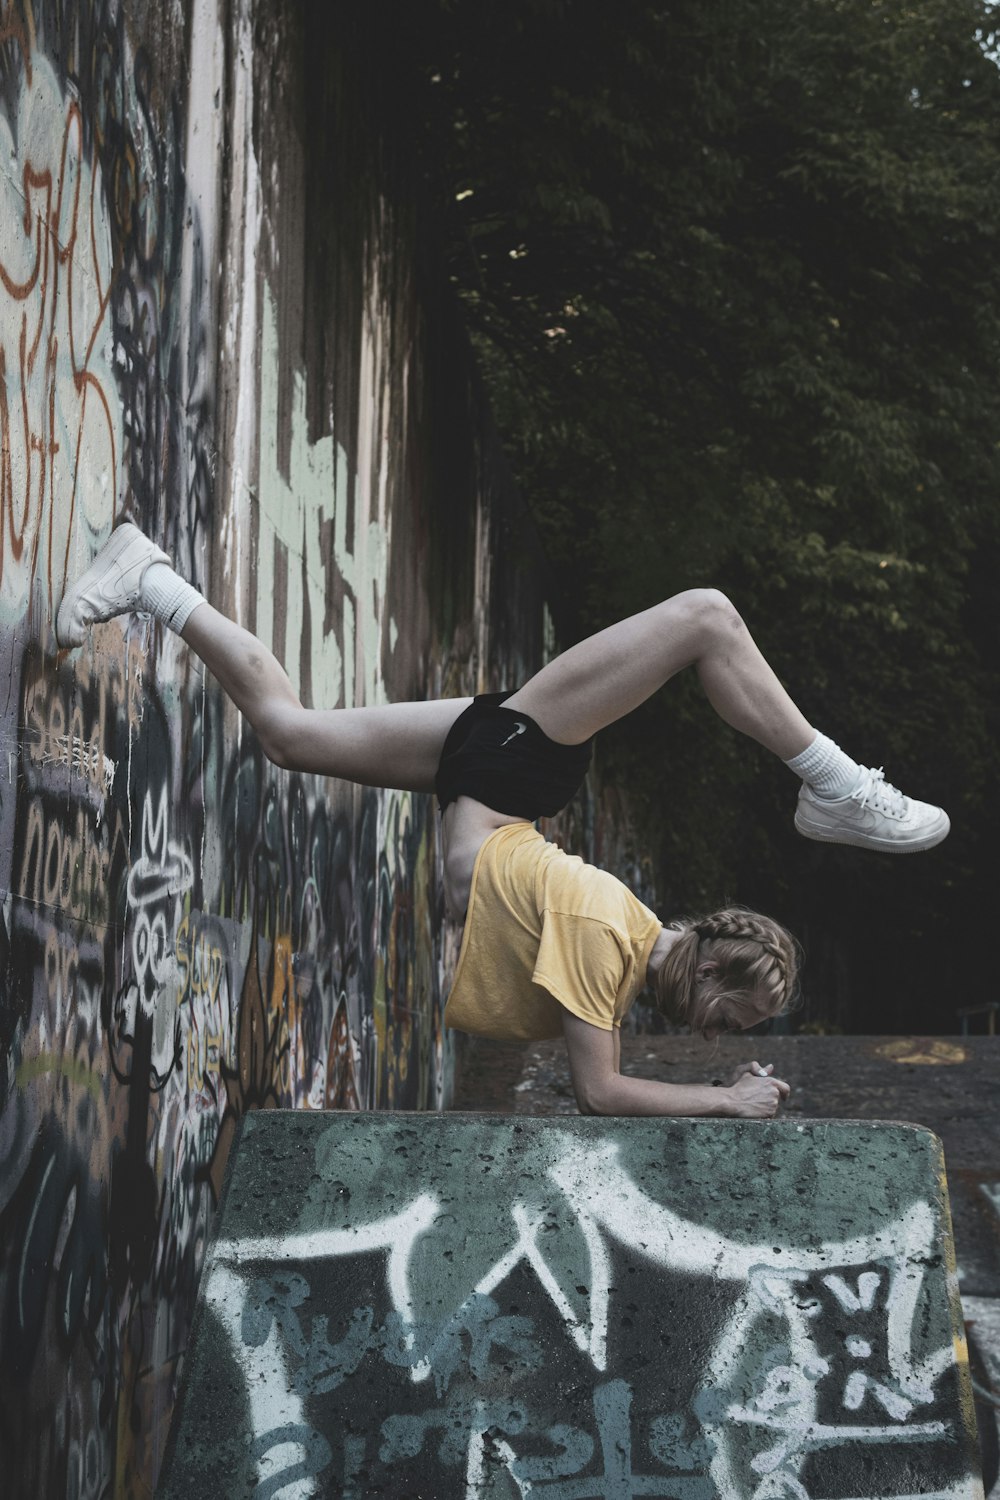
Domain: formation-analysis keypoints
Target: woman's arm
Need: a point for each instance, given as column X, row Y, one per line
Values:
column 601, row 1090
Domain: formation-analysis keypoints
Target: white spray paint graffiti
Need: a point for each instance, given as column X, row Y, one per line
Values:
column 396, row 1235
column 876, row 1276
column 162, row 871
column 274, row 1408
column 785, row 1405
column 60, row 417
column 306, row 515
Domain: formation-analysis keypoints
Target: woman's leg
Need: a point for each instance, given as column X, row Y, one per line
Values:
column 605, row 677
column 391, row 745
column 397, row 745
column 608, row 675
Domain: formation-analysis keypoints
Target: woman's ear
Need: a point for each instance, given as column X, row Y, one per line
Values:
column 706, row 970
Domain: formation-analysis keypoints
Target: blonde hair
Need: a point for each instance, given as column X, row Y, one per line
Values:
column 757, row 961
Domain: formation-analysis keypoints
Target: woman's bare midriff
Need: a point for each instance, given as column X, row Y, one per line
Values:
column 465, row 826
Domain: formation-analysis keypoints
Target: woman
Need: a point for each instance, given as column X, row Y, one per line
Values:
column 550, row 943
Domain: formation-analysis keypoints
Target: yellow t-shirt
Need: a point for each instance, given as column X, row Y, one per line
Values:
column 546, row 930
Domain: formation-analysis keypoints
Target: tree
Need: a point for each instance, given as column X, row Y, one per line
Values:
column 730, row 272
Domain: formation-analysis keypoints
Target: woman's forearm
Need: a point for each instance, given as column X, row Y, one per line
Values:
column 601, row 1090
column 618, row 1095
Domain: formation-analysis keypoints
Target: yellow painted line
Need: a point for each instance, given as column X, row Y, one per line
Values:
column 959, row 1342
column 922, row 1051
column 68, row 1067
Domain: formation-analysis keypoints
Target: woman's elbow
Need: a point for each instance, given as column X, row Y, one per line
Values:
column 595, row 1098
column 281, row 740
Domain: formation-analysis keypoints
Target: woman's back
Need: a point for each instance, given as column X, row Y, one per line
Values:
column 546, row 932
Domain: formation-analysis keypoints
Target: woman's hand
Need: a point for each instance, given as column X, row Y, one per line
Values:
column 759, row 1070
column 755, row 1094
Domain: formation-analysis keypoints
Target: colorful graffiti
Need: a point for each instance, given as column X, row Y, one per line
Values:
column 61, row 425
column 142, row 1026
column 188, row 934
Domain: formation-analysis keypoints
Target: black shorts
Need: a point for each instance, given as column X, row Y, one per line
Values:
column 502, row 758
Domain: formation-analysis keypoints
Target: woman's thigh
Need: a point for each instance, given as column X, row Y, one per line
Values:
column 608, row 675
column 391, row 745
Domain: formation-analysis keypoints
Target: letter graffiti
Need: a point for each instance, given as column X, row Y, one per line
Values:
column 203, row 970
column 162, row 871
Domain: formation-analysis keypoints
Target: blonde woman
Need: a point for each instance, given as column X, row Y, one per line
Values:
column 550, row 944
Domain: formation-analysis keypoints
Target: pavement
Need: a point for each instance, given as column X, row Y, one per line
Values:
column 950, row 1085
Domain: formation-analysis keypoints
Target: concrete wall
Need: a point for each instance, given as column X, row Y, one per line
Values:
column 588, row 1309
column 212, row 319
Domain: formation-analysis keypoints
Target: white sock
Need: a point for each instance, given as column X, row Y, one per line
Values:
column 168, row 596
column 826, row 768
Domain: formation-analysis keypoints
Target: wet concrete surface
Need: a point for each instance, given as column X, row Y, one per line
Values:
column 951, row 1085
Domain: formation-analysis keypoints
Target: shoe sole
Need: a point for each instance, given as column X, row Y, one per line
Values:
column 868, row 841
column 116, row 543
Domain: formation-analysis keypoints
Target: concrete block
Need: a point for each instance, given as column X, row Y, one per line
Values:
column 482, row 1306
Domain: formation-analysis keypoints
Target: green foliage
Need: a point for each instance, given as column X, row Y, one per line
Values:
column 730, row 271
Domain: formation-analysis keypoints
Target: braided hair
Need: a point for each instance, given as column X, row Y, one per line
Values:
column 756, row 959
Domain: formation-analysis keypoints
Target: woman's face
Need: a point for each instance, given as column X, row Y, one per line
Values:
column 713, row 1018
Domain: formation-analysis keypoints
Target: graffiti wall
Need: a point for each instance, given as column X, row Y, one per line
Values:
column 215, row 319
column 700, row 1310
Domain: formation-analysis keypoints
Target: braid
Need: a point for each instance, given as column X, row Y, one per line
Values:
column 741, row 926
column 755, row 959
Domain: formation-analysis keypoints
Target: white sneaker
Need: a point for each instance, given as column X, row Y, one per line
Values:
column 873, row 816
column 110, row 586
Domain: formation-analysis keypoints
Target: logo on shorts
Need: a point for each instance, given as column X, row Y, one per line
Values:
column 519, row 728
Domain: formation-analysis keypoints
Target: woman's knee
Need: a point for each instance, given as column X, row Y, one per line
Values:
column 709, row 614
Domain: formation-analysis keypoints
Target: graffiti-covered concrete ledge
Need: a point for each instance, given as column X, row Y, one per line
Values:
column 404, row 1305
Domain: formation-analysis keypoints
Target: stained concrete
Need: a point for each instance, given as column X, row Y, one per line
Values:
column 407, row 1305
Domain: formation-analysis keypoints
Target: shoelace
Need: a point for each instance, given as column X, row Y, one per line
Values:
column 874, row 791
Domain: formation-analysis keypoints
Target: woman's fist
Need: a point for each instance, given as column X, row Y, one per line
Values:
column 756, row 1094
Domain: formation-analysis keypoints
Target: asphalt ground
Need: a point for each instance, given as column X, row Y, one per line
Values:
column 950, row 1085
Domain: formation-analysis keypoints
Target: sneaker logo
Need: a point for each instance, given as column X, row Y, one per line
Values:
column 519, row 728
